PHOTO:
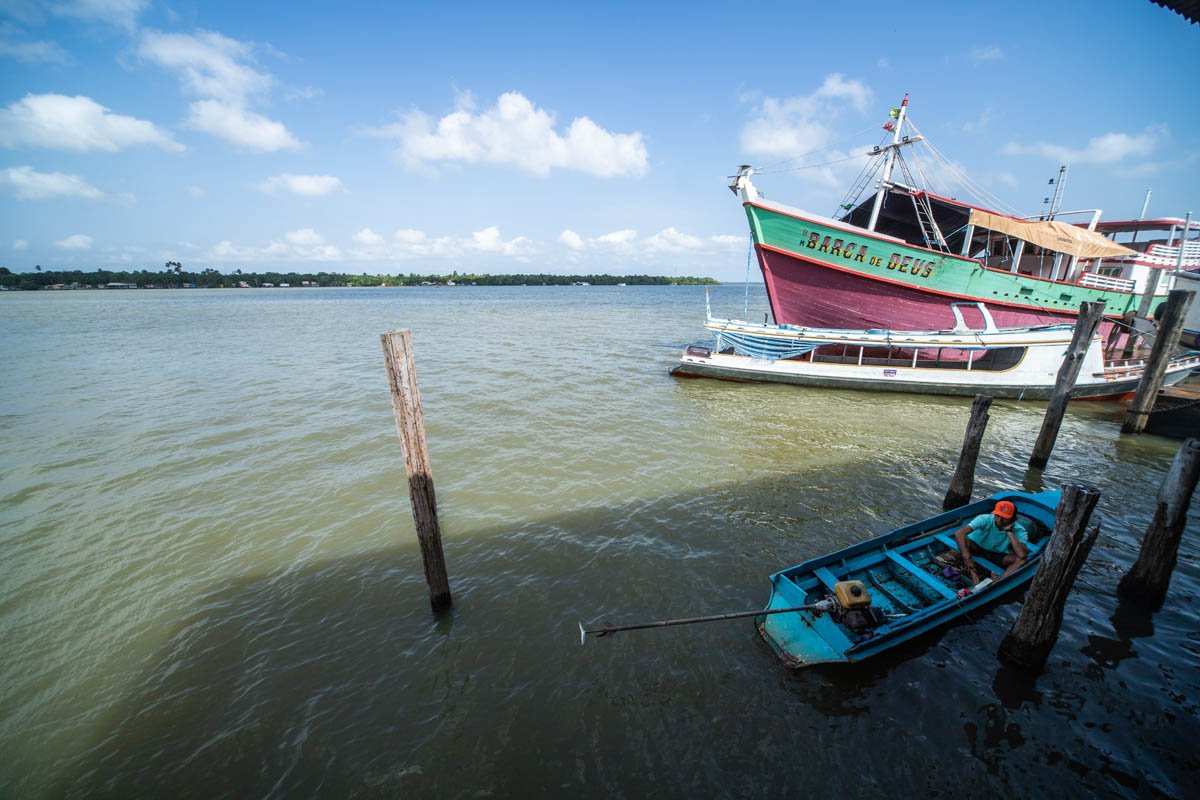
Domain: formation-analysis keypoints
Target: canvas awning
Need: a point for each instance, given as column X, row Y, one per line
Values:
column 1053, row 235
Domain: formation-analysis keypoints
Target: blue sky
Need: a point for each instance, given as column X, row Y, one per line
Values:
column 552, row 137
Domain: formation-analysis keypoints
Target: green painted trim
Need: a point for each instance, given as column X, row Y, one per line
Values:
column 920, row 268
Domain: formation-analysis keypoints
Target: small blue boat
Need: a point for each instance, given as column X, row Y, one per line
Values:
column 877, row 594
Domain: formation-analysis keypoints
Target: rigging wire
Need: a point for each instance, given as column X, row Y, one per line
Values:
column 810, row 152
column 964, row 180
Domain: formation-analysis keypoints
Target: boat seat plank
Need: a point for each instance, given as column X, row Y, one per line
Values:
column 826, row 577
column 920, row 574
column 983, row 562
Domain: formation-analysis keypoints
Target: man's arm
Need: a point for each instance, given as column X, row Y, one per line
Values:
column 960, row 536
column 1019, row 548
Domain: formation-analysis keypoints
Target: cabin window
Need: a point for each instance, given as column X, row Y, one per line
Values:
column 994, row 360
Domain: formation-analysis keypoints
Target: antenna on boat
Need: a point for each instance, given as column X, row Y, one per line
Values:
column 1058, row 193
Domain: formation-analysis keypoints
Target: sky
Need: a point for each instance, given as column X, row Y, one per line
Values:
column 565, row 138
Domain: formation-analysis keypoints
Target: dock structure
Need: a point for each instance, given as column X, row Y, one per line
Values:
column 1033, row 635
column 1170, row 329
column 1145, row 585
column 963, row 482
column 410, row 426
column 1089, row 318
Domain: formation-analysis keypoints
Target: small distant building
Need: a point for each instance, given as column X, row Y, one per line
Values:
column 119, row 285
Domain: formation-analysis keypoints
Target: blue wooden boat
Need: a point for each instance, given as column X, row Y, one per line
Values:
column 874, row 595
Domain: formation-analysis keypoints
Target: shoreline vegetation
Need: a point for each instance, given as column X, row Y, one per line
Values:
column 174, row 276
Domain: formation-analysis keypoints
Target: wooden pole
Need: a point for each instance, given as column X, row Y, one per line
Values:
column 1085, row 329
column 1032, row 637
column 1169, row 329
column 410, row 426
column 963, row 482
column 1145, row 585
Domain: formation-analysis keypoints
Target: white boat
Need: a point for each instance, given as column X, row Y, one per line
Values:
column 1001, row 362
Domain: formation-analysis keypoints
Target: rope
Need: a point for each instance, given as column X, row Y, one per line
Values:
column 809, row 152
column 809, row 166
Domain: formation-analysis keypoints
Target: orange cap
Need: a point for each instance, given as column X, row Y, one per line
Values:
column 1005, row 509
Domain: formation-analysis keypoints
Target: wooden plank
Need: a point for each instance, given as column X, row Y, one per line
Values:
column 920, row 574
column 826, row 577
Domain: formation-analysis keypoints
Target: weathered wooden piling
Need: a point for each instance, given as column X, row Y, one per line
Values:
column 1085, row 329
column 963, row 482
column 1169, row 328
column 1145, row 585
column 1033, row 635
column 410, row 426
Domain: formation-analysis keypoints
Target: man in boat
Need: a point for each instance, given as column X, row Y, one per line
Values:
column 998, row 537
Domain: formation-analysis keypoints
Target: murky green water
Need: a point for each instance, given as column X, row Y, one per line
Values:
column 211, row 585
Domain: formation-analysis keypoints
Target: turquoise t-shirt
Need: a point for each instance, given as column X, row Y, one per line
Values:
column 985, row 534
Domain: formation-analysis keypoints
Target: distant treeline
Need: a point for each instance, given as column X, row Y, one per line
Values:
column 174, row 276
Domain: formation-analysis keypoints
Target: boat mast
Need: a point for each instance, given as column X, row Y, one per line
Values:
column 888, row 164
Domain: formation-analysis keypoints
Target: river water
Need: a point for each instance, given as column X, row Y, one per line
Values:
column 211, row 584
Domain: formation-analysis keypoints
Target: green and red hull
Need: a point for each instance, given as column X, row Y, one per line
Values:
column 823, row 273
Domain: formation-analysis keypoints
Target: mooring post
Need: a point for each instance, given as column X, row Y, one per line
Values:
column 1032, row 637
column 1085, row 329
column 1169, row 329
column 963, row 482
column 410, row 426
column 1145, row 585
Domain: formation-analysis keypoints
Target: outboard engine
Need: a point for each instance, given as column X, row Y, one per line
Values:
column 854, row 607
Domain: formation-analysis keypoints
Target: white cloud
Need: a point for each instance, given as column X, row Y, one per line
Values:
column 409, row 236
column 516, row 132
column 77, row 123
column 20, row 244
column 240, row 127
column 195, row 191
column 28, row 184
column 123, row 13
column 210, row 65
column 670, row 240
column 982, row 53
column 986, row 118
column 798, row 125
column 1108, row 148
column 408, row 244
column 305, row 237
column 218, row 70
column 307, row 185
column 368, row 238
column 77, row 241
column 489, row 240
column 14, row 45
column 621, row 238
column 299, row 245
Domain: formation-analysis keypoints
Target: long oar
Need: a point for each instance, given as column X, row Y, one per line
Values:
column 663, row 623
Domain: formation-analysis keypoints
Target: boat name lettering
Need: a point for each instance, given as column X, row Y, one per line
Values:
column 836, row 247
column 918, row 267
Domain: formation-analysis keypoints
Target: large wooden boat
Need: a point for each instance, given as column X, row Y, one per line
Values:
column 898, row 257
column 875, row 595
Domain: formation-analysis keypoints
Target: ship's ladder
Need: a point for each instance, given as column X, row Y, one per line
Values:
column 929, row 229
column 865, row 178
